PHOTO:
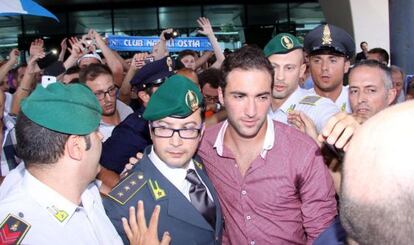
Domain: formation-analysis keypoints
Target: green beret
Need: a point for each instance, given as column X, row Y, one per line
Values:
column 177, row 97
column 282, row 43
column 69, row 109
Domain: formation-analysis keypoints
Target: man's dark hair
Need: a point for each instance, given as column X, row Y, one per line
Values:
column 72, row 70
column 382, row 53
column 363, row 42
column 375, row 64
column 245, row 58
column 37, row 144
column 92, row 71
column 186, row 52
column 210, row 76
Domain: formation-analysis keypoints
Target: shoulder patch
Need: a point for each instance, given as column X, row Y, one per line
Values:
column 310, row 100
column 156, row 190
column 128, row 187
column 198, row 164
column 13, row 230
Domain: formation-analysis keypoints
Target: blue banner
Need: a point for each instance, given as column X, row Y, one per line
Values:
column 140, row 43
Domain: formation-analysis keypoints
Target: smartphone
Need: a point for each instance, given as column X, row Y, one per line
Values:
column 46, row 61
column 46, row 80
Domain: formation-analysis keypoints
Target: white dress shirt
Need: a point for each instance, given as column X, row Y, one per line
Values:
column 176, row 175
column 53, row 218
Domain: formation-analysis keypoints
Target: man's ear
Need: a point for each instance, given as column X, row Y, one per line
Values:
column 144, row 97
column 221, row 95
column 74, row 147
column 392, row 94
column 347, row 65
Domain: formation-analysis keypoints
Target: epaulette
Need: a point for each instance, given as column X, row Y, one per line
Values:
column 13, row 230
column 198, row 164
column 128, row 187
column 310, row 100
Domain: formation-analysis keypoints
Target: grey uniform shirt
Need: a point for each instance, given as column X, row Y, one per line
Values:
column 342, row 101
column 317, row 108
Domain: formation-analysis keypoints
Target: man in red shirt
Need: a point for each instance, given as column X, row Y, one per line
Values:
column 272, row 183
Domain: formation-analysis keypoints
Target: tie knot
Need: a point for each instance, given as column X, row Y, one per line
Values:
column 192, row 177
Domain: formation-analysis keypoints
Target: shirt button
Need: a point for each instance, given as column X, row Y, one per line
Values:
column 252, row 242
column 248, row 217
column 244, row 192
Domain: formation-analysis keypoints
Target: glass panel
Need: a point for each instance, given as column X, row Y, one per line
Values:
column 227, row 22
column 45, row 26
column 81, row 21
column 133, row 20
column 266, row 14
column 179, row 17
column 225, row 15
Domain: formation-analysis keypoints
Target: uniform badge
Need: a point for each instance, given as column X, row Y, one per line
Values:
column 13, row 230
column 291, row 108
column 343, row 107
column 199, row 165
column 326, row 38
column 127, row 188
column 156, row 191
column 310, row 100
column 191, row 100
column 286, row 42
column 60, row 215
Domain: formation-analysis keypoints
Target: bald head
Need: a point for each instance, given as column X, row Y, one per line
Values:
column 377, row 184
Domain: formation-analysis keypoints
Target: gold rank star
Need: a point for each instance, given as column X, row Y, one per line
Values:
column 120, row 194
column 133, row 182
column 127, row 188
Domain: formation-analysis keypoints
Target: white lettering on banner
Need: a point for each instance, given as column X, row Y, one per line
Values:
column 133, row 43
column 188, row 43
column 150, row 42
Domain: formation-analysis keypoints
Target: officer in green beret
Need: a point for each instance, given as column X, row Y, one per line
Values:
column 285, row 53
column 168, row 175
column 330, row 50
column 54, row 198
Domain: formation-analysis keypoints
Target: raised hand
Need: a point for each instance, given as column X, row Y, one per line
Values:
column 136, row 227
column 205, row 26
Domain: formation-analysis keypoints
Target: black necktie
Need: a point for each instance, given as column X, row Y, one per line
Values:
column 199, row 198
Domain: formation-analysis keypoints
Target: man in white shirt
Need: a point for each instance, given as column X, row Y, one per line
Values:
column 285, row 54
column 100, row 80
column 330, row 50
column 55, row 199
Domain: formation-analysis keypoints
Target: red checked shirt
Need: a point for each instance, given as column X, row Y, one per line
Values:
column 286, row 196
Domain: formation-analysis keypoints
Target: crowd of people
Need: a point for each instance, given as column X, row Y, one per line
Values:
column 289, row 144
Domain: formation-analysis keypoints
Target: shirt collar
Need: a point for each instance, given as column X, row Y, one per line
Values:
column 267, row 143
column 174, row 175
column 55, row 204
column 292, row 99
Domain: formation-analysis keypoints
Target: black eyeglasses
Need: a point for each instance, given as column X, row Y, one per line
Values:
column 184, row 133
column 212, row 99
column 101, row 95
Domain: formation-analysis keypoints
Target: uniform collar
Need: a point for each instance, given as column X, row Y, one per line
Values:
column 292, row 99
column 267, row 143
column 174, row 175
column 55, row 204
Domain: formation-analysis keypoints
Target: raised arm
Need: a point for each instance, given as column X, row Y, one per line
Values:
column 28, row 81
column 111, row 60
column 207, row 30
